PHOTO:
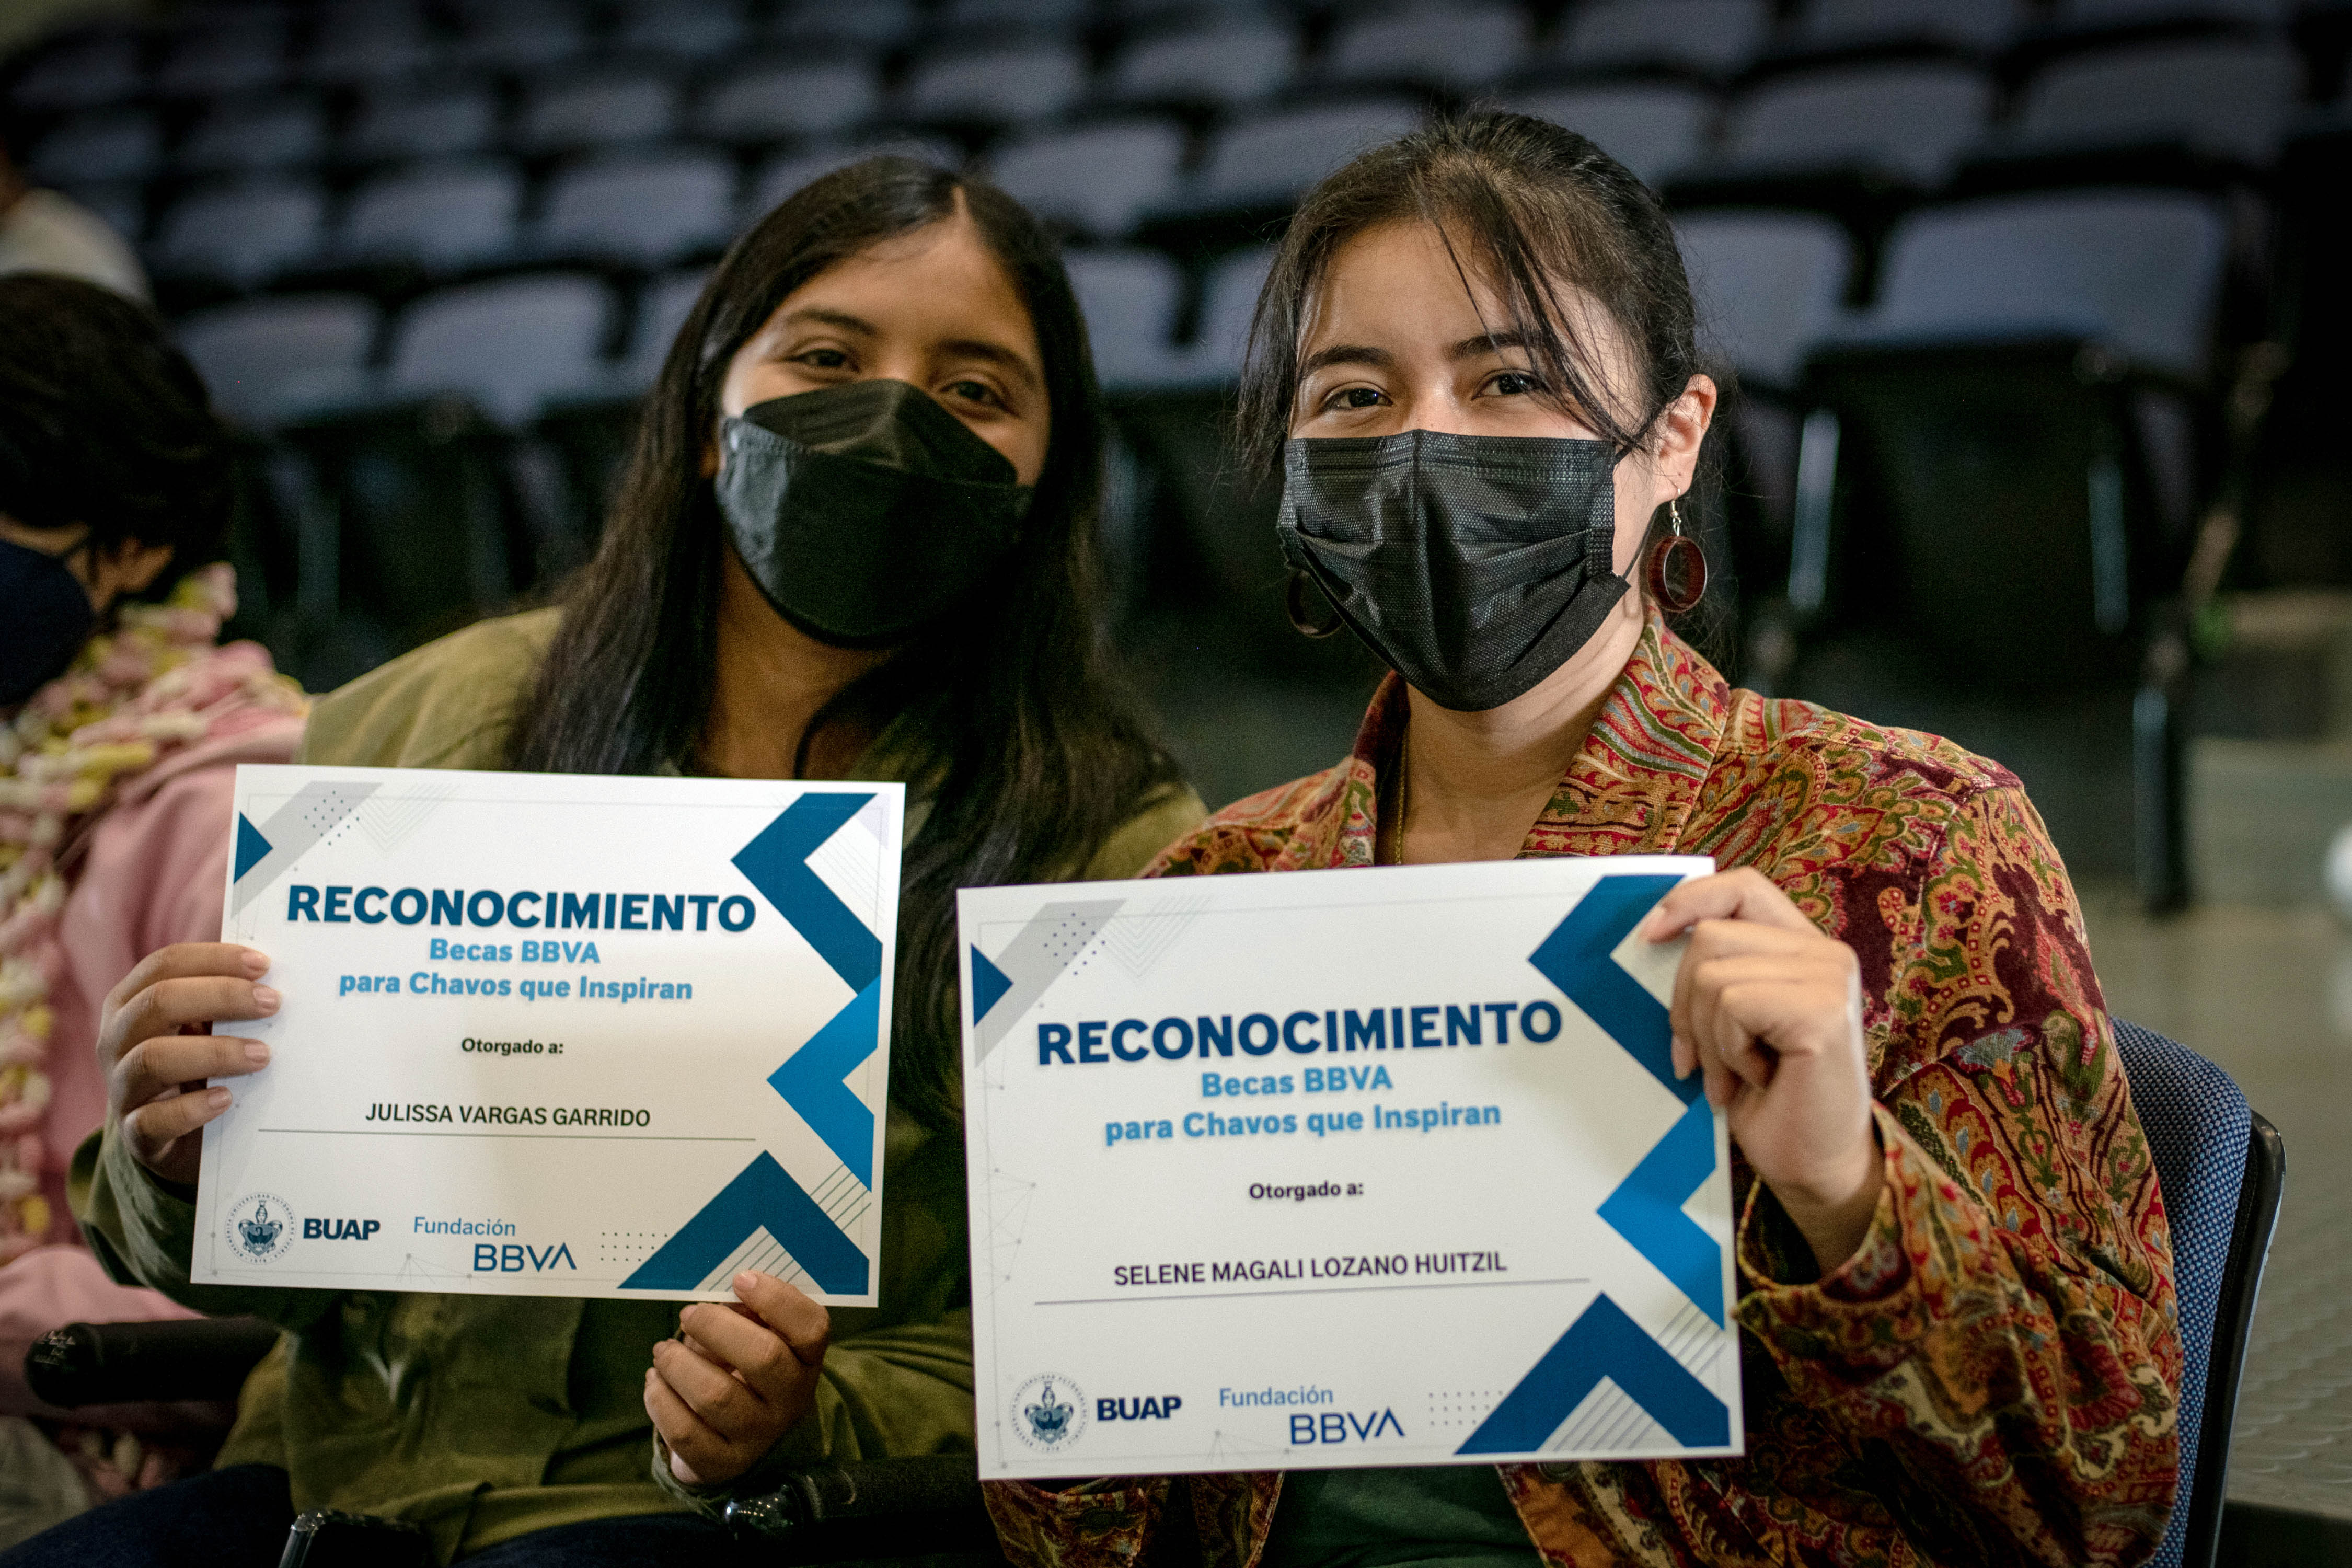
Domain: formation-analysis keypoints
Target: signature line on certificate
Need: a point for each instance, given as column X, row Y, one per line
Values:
column 546, row 1137
column 1328, row 1290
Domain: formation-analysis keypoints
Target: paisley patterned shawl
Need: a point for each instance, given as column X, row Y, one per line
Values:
column 1992, row 1376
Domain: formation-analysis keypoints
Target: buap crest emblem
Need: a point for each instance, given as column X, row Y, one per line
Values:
column 261, row 1227
column 1048, row 1413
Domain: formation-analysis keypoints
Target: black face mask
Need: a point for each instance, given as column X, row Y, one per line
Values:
column 1474, row 565
column 48, row 619
column 865, row 511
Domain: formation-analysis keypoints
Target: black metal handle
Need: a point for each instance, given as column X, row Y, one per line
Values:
column 119, row 1364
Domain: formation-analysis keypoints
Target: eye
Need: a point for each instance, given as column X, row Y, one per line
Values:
column 1515, row 384
column 976, row 392
column 824, row 359
column 1352, row 398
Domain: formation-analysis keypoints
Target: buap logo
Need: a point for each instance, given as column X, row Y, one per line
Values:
column 261, row 1227
column 1049, row 1413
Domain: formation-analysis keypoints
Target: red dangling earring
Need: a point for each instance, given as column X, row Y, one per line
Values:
column 1676, row 560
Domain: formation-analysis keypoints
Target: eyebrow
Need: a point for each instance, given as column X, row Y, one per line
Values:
column 1381, row 359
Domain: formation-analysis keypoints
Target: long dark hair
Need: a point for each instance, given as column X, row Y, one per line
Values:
column 1040, row 752
column 103, row 422
column 1534, row 208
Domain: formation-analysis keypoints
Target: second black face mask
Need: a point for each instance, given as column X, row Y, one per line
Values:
column 865, row 511
column 1474, row 565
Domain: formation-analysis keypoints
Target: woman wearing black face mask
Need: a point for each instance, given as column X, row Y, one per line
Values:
column 855, row 540
column 1475, row 358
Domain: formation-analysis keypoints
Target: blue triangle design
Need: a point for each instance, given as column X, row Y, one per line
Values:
column 810, row 1081
column 989, row 985
column 250, row 846
column 761, row 1195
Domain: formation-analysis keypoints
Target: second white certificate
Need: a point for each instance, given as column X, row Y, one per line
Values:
column 1340, row 1168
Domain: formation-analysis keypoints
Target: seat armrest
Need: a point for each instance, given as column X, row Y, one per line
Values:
column 927, row 1505
column 123, row 1364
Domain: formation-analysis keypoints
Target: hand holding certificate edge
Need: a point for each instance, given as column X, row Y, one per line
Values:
column 156, row 1047
column 1768, row 1009
column 737, row 1377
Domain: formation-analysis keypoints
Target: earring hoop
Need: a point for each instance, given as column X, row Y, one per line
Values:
column 1294, row 601
column 1675, row 575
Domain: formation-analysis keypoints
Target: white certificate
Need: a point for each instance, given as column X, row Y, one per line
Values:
column 549, row 1034
column 1340, row 1168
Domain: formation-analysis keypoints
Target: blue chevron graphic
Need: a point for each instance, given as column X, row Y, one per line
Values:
column 810, row 1081
column 989, row 985
column 762, row 1196
column 250, row 846
column 776, row 863
column 1603, row 1342
column 1575, row 957
column 1646, row 1209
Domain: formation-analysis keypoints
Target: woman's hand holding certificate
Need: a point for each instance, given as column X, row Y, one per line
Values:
column 1769, row 1009
column 737, row 1378
column 156, row 1047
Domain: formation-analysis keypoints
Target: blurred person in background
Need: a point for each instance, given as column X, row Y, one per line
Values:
column 122, row 720
column 855, row 540
column 1475, row 363
column 43, row 231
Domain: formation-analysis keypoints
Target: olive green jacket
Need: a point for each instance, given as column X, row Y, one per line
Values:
column 485, row 1417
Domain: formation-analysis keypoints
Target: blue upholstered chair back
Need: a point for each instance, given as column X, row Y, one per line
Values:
column 2220, row 1203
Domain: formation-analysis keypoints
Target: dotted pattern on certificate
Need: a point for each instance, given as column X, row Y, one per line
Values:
column 627, row 1248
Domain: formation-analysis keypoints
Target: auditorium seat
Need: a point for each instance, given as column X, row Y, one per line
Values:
column 2221, row 97
column 1912, row 120
column 1456, row 49
column 1130, row 299
column 354, row 41
column 1228, row 303
column 1098, row 179
column 662, row 310
column 396, row 123
column 243, row 136
column 1655, row 129
column 772, row 99
column 1271, row 159
column 211, row 57
column 434, row 216
column 2137, row 273
column 1067, row 15
column 688, row 29
column 611, row 108
column 788, row 172
column 82, row 71
column 2001, row 475
column 644, row 211
column 1236, row 60
column 1768, row 287
column 98, row 146
column 1977, row 26
column 880, row 23
column 509, row 345
column 1006, row 85
column 1711, row 37
column 517, row 35
column 242, row 234
column 2088, row 14
column 258, row 356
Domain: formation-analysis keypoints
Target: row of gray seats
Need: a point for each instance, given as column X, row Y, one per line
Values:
column 1907, row 121
column 1051, row 65
column 2138, row 272
column 2237, row 94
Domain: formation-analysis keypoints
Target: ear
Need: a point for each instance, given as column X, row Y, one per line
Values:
column 1681, row 429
